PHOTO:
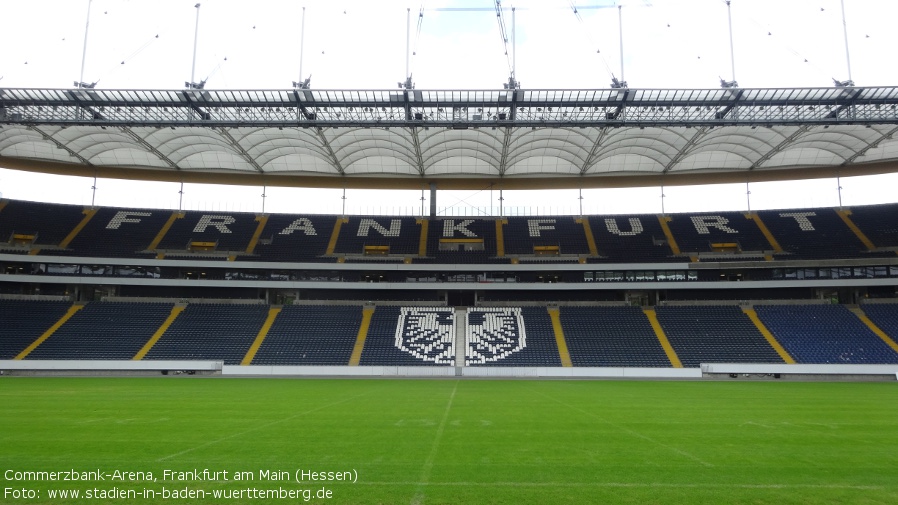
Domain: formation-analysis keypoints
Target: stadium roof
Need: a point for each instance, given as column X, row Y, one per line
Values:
column 457, row 139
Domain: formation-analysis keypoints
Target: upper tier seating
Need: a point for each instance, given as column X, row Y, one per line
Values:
column 104, row 330
column 49, row 223
column 695, row 233
column 23, row 321
column 292, row 238
column 230, row 231
column 112, row 232
column 714, row 334
column 627, row 239
column 311, row 335
column 812, row 234
column 824, row 334
column 510, row 336
column 401, row 234
column 460, row 229
column 410, row 336
column 221, row 332
column 878, row 222
column 611, row 337
column 522, row 234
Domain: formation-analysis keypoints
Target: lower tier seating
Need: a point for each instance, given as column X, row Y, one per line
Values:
column 221, row 332
column 824, row 334
column 510, row 336
column 23, row 321
column 611, row 336
column 714, row 334
column 311, row 335
column 104, row 330
column 410, row 336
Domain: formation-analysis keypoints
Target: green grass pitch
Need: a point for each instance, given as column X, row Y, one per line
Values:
column 451, row 441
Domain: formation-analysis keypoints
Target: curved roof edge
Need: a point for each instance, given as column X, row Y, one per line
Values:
column 451, row 183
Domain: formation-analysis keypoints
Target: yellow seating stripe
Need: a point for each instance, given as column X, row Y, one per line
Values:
column 765, row 231
column 263, row 220
column 844, row 214
column 590, row 239
column 662, row 338
column 168, row 224
column 674, row 248
column 3, row 204
column 33, row 252
column 563, row 353
column 422, row 241
column 175, row 312
column 753, row 315
column 875, row 329
column 332, row 244
column 263, row 332
column 500, row 237
column 88, row 214
column 50, row 331
column 356, row 356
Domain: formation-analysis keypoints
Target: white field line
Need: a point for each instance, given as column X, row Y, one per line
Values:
column 428, row 463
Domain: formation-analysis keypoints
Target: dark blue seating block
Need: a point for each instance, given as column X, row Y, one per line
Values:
column 714, row 334
column 23, row 321
column 618, row 336
column 220, row 332
column 824, row 334
column 105, row 330
column 311, row 335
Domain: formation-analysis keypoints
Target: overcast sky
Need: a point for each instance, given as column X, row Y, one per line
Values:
column 148, row 44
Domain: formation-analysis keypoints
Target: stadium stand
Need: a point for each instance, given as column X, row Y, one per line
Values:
column 292, row 238
column 824, row 334
column 623, row 239
column 211, row 331
column 116, row 233
column 378, row 236
column 714, row 334
column 510, row 336
column 877, row 222
column 719, row 235
column 611, row 336
column 47, row 224
column 411, row 328
column 24, row 321
column 812, row 234
column 104, row 330
column 311, row 335
column 544, row 236
column 884, row 316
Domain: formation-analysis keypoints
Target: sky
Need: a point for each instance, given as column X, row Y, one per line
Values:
column 268, row 44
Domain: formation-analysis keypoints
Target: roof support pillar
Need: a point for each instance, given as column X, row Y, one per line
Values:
column 433, row 199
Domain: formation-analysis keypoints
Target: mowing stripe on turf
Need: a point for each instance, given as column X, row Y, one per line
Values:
column 257, row 428
column 428, row 464
column 629, row 431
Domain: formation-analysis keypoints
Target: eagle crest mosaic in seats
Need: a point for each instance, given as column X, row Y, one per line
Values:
column 427, row 334
column 494, row 334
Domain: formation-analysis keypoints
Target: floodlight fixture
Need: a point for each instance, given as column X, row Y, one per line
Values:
column 89, row 85
column 617, row 84
column 728, row 84
column 843, row 84
column 195, row 85
column 305, row 84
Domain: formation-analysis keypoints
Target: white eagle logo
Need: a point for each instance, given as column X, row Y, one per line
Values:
column 494, row 334
column 427, row 334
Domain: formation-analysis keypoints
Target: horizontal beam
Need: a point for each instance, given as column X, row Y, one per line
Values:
column 449, row 182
